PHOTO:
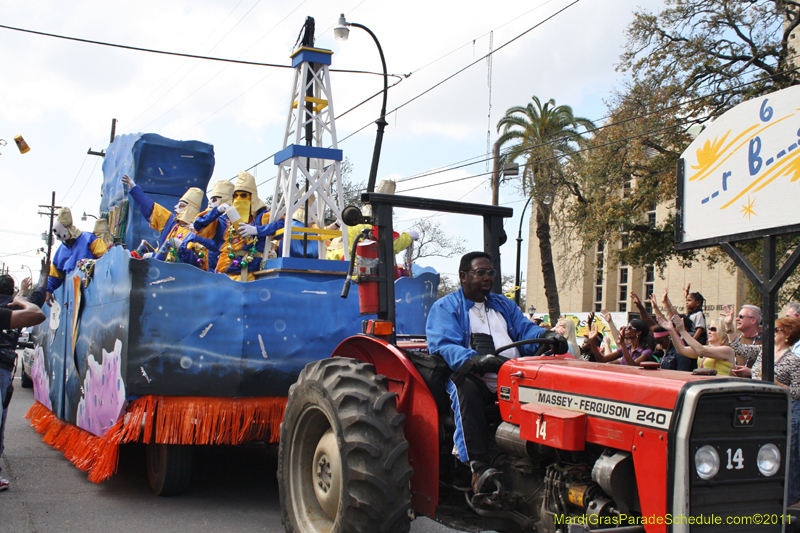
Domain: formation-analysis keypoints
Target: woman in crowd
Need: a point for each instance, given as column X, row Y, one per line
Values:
column 717, row 354
column 566, row 328
column 635, row 345
column 787, row 374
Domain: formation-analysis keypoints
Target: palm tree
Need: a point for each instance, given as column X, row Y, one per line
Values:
column 542, row 136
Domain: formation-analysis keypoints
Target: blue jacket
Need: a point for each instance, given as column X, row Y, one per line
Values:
column 66, row 258
column 146, row 207
column 448, row 326
column 201, row 222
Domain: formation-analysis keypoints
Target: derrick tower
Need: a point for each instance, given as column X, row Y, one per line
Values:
column 309, row 165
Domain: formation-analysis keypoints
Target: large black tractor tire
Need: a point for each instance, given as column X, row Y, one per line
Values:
column 343, row 459
column 169, row 468
column 25, row 380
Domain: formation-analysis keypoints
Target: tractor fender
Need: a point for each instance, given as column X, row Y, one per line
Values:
column 416, row 402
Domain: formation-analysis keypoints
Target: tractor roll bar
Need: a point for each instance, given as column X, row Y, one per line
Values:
column 382, row 204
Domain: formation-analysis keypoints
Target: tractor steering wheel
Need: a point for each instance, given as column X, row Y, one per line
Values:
column 543, row 342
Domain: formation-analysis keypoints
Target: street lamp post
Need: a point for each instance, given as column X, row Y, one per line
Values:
column 341, row 32
column 519, row 251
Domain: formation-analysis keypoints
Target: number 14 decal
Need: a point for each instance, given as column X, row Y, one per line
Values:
column 737, row 458
column 541, row 429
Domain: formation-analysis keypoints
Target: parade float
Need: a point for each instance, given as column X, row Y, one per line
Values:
column 166, row 354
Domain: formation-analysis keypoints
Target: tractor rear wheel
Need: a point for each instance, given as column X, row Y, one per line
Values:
column 169, row 468
column 343, row 459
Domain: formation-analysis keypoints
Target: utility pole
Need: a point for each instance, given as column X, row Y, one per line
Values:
column 102, row 153
column 50, row 211
column 496, row 174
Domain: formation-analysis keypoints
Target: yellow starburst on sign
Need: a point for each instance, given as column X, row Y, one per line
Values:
column 708, row 154
column 748, row 209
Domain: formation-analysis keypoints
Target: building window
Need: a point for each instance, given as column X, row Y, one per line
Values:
column 622, row 302
column 651, row 219
column 598, row 282
column 622, row 282
column 649, row 282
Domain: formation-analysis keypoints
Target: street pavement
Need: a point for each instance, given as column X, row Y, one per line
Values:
column 233, row 489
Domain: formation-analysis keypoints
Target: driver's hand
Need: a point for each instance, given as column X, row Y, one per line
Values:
column 560, row 345
column 483, row 364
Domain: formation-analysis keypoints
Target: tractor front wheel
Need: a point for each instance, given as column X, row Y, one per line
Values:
column 343, row 458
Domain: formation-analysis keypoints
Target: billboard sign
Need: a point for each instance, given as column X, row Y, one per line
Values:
column 740, row 178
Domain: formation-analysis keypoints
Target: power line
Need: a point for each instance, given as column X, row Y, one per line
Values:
column 176, row 70
column 446, row 168
column 76, row 175
column 19, row 232
column 472, row 41
column 85, row 184
column 449, row 77
column 270, row 74
column 209, row 80
column 18, row 253
column 565, row 154
column 179, row 54
column 426, row 91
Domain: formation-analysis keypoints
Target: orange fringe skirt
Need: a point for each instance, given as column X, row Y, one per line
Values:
column 161, row 419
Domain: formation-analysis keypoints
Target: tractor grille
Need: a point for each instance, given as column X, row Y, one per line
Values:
column 737, row 425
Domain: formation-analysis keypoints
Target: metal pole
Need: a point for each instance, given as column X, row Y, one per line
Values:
column 50, row 233
column 519, row 252
column 381, row 122
column 768, row 295
column 29, row 271
column 496, row 175
column 308, row 41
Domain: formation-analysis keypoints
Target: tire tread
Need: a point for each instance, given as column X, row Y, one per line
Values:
column 374, row 451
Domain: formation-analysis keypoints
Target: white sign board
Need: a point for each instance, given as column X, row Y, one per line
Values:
column 741, row 175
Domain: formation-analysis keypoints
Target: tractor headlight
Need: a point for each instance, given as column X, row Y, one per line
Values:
column 706, row 462
column 769, row 459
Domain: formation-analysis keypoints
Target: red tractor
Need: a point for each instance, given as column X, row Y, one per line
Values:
column 366, row 440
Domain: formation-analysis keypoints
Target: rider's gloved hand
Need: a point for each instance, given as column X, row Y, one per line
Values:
column 560, row 345
column 247, row 230
column 483, row 364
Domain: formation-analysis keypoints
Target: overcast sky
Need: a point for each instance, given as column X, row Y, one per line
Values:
column 61, row 95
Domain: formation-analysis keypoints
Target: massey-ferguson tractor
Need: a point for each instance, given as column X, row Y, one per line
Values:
column 366, row 440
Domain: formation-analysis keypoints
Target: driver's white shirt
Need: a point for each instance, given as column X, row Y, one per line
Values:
column 495, row 325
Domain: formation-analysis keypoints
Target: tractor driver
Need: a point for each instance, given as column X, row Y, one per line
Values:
column 464, row 328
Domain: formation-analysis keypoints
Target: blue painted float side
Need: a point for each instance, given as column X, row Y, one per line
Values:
column 145, row 327
column 151, row 328
column 162, row 167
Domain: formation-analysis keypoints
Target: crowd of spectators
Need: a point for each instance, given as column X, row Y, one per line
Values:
column 727, row 345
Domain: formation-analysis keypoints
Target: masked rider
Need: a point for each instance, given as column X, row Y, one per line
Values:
column 207, row 225
column 75, row 245
column 243, row 241
column 174, row 226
